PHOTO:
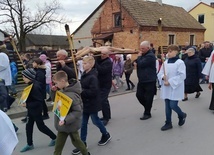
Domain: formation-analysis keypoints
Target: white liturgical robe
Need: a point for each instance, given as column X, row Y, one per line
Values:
column 209, row 69
column 176, row 74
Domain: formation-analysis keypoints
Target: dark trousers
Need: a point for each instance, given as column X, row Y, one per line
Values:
column 41, row 126
column 145, row 93
column 212, row 99
column 104, row 92
column 128, row 81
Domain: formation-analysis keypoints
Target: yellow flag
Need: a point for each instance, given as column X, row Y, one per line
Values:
column 25, row 94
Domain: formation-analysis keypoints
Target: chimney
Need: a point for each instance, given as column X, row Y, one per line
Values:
column 159, row 1
column 212, row 4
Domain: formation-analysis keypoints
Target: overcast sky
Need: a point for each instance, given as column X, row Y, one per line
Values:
column 78, row 10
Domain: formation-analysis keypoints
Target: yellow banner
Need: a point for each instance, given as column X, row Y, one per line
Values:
column 62, row 104
column 25, row 94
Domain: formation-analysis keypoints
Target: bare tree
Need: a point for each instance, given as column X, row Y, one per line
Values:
column 23, row 20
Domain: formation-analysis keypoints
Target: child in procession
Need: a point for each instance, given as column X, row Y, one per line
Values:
column 72, row 122
column 172, row 86
column 34, row 110
column 91, row 102
column 40, row 69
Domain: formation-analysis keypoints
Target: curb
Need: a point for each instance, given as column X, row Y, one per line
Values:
column 23, row 113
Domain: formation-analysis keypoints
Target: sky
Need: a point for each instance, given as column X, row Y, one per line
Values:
column 76, row 11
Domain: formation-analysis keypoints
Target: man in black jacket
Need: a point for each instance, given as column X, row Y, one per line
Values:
column 104, row 68
column 146, row 72
column 65, row 64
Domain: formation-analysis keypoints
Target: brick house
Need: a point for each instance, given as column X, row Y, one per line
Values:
column 131, row 22
column 126, row 23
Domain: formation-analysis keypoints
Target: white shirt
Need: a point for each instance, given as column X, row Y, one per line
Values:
column 176, row 74
column 209, row 68
column 5, row 72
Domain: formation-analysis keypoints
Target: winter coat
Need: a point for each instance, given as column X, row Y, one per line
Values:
column 193, row 70
column 117, row 68
column 40, row 76
column 204, row 53
column 5, row 72
column 74, row 117
column 48, row 72
column 104, row 68
column 3, row 95
column 35, row 99
column 68, row 68
column 128, row 67
column 146, row 67
column 90, row 92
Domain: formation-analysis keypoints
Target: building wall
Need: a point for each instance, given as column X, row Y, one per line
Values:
column 208, row 20
column 162, row 38
column 83, row 36
column 105, row 23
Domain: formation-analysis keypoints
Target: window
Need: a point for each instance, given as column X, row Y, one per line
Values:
column 192, row 40
column 171, row 39
column 201, row 19
column 117, row 20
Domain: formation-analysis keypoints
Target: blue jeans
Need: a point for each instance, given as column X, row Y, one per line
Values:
column 96, row 121
column 169, row 106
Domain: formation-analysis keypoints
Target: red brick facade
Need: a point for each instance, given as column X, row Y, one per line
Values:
column 130, row 34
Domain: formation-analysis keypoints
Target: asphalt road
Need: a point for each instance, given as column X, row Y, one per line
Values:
column 132, row 136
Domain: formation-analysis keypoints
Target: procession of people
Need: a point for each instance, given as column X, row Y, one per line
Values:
column 177, row 76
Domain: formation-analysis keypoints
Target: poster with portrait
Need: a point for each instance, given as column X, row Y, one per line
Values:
column 25, row 94
column 62, row 104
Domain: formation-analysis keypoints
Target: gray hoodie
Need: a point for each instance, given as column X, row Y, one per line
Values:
column 74, row 118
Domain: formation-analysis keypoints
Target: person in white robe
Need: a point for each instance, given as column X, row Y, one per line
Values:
column 5, row 72
column 8, row 140
column 209, row 72
column 172, row 86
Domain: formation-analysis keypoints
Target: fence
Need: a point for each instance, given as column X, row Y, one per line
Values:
column 34, row 54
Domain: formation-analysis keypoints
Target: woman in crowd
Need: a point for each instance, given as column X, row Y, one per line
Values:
column 193, row 74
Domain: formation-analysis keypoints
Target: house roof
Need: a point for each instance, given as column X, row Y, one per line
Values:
column 200, row 4
column 147, row 13
column 45, row 40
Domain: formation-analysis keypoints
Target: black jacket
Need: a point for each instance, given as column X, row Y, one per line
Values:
column 68, row 68
column 146, row 68
column 104, row 68
column 40, row 77
column 193, row 70
column 35, row 99
column 90, row 92
column 3, row 95
column 204, row 53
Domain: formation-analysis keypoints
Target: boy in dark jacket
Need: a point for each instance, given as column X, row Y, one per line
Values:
column 34, row 110
column 91, row 102
column 72, row 122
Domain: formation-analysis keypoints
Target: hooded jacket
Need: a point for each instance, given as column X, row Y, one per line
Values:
column 74, row 117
